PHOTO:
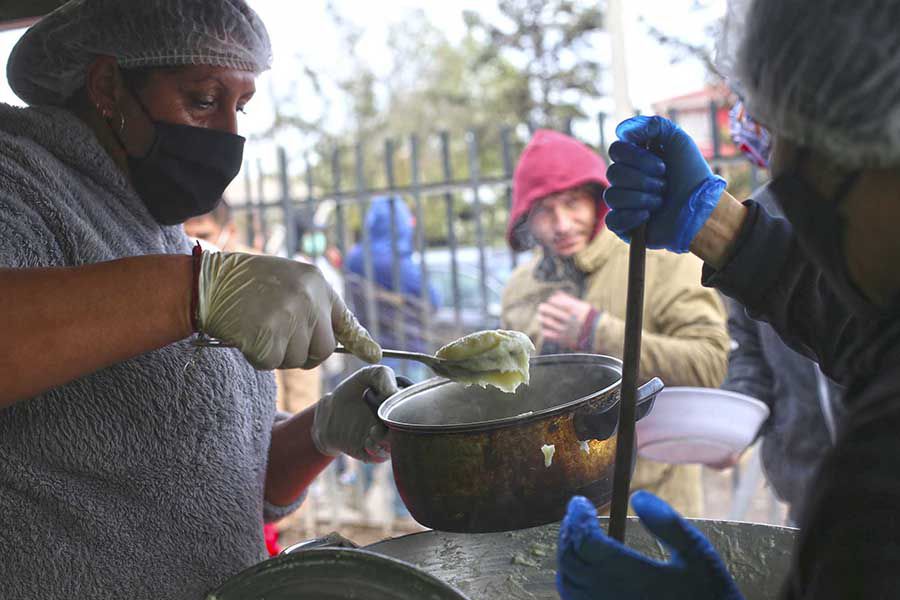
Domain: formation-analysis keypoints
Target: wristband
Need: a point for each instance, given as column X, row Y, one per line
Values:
column 197, row 261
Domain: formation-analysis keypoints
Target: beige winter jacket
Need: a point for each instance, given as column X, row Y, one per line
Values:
column 685, row 340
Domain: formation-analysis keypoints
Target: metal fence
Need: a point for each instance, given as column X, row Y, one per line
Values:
column 470, row 247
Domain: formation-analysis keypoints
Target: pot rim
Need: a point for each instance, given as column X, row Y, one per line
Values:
column 549, row 359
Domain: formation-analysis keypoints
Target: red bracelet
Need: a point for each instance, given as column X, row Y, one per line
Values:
column 587, row 328
column 197, row 260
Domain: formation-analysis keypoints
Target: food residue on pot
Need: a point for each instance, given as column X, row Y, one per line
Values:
column 523, row 561
column 548, row 450
column 497, row 357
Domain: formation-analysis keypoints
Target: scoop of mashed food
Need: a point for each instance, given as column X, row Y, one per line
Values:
column 497, row 357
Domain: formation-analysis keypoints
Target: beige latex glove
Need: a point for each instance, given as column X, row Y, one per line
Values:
column 280, row 313
column 343, row 422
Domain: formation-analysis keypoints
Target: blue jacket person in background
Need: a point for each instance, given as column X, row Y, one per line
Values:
column 393, row 305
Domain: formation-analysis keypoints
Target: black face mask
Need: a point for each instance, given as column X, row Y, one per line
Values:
column 820, row 229
column 186, row 170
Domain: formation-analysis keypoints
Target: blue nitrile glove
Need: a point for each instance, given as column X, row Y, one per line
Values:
column 671, row 188
column 593, row 566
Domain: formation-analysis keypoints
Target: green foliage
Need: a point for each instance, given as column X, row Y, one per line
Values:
column 551, row 42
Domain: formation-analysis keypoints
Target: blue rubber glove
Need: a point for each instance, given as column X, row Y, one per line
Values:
column 593, row 566
column 672, row 189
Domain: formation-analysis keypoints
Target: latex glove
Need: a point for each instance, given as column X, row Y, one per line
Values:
column 280, row 313
column 593, row 566
column 564, row 319
column 671, row 189
column 344, row 423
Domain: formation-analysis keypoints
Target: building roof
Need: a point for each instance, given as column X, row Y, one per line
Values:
column 695, row 101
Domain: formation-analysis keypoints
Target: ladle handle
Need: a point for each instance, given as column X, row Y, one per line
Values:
column 631, row 358
column 398, row 354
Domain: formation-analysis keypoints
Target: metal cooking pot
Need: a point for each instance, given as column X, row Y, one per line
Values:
column 470, row 459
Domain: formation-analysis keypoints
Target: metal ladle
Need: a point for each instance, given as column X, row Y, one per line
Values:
column 449, row 369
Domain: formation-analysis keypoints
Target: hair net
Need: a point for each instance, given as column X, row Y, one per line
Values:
column 823, row 73
column 49, row 63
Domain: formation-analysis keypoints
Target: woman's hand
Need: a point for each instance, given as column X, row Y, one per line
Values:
column 344, row 424
column 280, row 313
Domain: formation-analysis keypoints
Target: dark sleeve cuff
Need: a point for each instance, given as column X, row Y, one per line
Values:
column 759, row 256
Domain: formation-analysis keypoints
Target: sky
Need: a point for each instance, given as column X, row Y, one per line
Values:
column 302, row 33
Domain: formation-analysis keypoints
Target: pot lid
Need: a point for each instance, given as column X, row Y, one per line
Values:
column 557, row 383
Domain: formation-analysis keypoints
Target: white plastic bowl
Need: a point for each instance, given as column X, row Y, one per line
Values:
column 699, row 425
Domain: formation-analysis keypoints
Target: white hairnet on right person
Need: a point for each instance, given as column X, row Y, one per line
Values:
column 822, row 73
column 50, row 61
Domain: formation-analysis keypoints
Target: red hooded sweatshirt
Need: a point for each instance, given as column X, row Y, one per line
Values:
column 552, row 163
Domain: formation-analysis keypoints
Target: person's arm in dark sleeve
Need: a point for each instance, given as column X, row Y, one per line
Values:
column 848, row 543
column 770, row 274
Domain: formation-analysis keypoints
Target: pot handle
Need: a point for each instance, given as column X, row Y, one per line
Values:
column 603, row 424
column 371, row 398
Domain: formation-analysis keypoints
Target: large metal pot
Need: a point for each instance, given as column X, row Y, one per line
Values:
column 521, row 565
column 468, row 459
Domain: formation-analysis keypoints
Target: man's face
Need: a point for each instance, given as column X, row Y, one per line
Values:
column 203, row 228
column 564, row 222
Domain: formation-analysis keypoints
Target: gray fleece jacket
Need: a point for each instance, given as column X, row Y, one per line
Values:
column 143, row 480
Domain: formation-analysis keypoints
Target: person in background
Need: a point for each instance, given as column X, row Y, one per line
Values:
column 571, row 296
column 314, row 248
column 394, row 307
column 216, row 230
column 805, row 406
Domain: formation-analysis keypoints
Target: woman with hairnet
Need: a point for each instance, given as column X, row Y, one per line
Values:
column 824, row 78
column 132, row 466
